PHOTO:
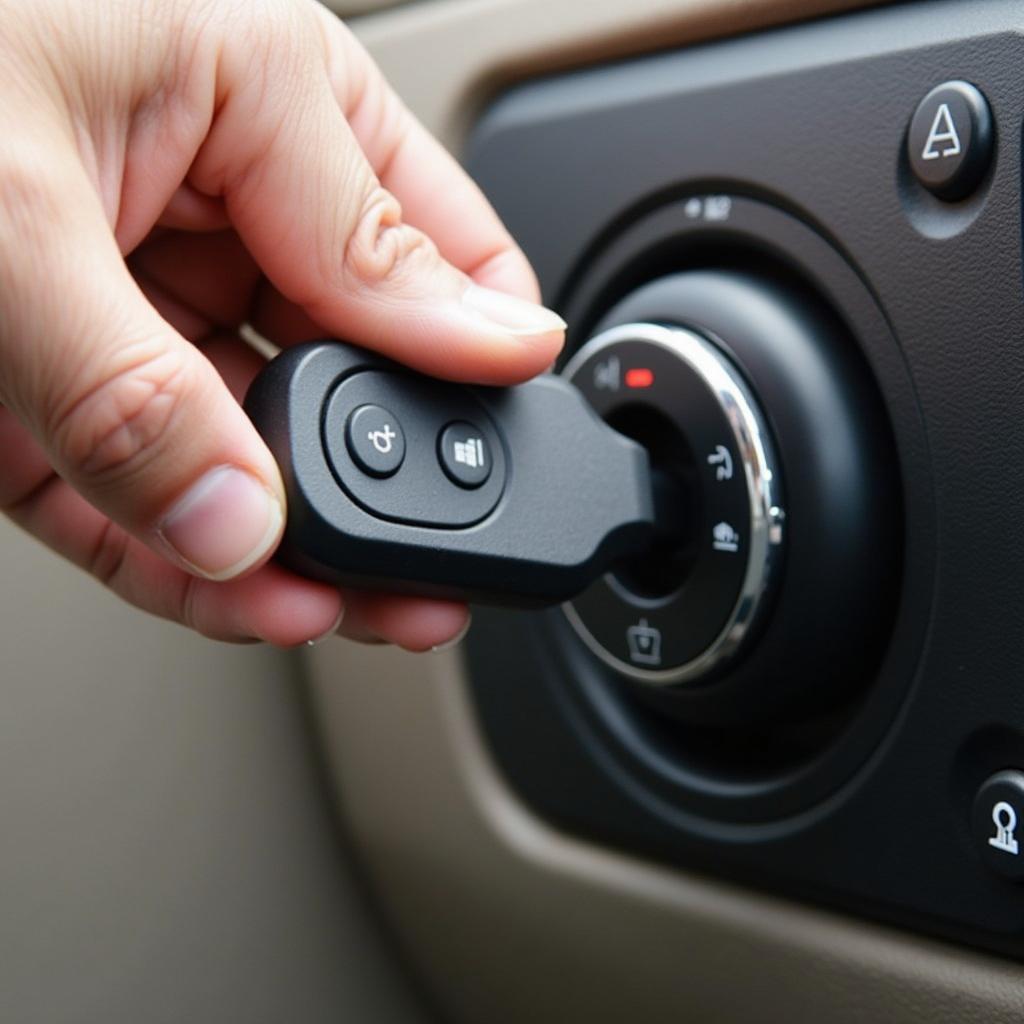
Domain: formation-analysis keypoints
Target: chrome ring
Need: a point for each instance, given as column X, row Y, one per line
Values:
column 757, row 456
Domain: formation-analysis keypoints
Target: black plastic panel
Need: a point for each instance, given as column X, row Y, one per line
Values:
column 810, row 121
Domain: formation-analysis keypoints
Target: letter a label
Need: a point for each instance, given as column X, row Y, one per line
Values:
column 943, row 140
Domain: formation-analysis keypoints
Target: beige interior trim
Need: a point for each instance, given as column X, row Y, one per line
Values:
column 167, row 850
column 446, row 57
column 352, row 8
column 508, row 919
column 511, row 921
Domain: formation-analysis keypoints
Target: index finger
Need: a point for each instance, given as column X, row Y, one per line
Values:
column 436, row 194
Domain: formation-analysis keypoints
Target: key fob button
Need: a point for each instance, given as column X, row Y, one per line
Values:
column 375, row 440
column 464, row 454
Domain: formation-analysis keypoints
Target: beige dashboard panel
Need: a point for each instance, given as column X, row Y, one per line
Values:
column 352, row 8
column 507, row 919
column 166, row 851
column 447, row 57
column 511, row 921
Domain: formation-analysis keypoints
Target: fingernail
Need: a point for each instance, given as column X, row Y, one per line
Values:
column 224, row 524
column 455, row 640
column 512, row 314
column 327, row 634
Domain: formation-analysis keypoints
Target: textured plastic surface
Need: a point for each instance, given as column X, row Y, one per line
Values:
column 811, row 121
column 567, row 495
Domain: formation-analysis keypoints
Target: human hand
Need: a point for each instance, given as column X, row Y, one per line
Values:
column 170, row 171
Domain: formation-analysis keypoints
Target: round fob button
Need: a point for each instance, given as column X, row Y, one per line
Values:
column 464, row 454
column 375, row 440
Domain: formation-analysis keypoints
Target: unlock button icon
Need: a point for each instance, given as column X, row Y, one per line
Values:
column 375, row 440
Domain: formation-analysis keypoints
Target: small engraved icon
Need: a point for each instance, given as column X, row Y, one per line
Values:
column 943, row 135
column 644, row 643
column 1004, row 817
column 383, row 439
column 725, row 538
column 470, row 452
column 606, row 374
column 721, row 458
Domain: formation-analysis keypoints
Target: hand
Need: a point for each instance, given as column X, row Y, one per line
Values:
column 173, row 170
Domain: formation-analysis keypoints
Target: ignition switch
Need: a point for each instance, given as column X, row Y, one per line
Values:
column 776, row 596
column 678, row 611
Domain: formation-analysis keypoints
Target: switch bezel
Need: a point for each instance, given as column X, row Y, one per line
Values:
column 751, row 497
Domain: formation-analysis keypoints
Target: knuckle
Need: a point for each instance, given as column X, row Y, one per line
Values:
column 109, row 555
column 267, row 57
column 117, row 427
column 383, row 248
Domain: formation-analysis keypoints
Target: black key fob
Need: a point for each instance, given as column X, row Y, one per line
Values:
column 508, row 495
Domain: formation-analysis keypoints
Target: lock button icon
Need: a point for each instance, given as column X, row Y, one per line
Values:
column 997, row 821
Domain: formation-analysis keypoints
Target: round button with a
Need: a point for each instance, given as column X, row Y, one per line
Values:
column 464, row 454
column 375, row 440
column 997, row 823
column 949, row 144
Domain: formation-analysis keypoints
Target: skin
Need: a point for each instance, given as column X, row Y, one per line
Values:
column 171, row 170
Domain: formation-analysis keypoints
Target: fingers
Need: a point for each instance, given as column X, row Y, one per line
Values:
column 438, row 197
column 126, row 410
column 306, row 202
column 153, row 456
column 415, row 623
column 271, row 605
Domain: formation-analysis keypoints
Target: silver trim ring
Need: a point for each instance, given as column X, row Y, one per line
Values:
column 757, row 455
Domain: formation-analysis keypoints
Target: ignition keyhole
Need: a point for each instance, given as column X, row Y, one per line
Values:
column 661, row 571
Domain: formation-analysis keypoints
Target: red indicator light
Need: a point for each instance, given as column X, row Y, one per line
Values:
column 639, row 377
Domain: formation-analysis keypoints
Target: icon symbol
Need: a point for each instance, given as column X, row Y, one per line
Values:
column 1004, row 817
column 606, row 374
column 644, row 642
column 383, row 439
column 721, row 458
column 717, row 208
column 694, row 208
column 469, row 452
column 725, row 538
column 943, row 134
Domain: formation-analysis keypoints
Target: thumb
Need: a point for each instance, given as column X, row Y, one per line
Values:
column 338, row 245
column 129, row 412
